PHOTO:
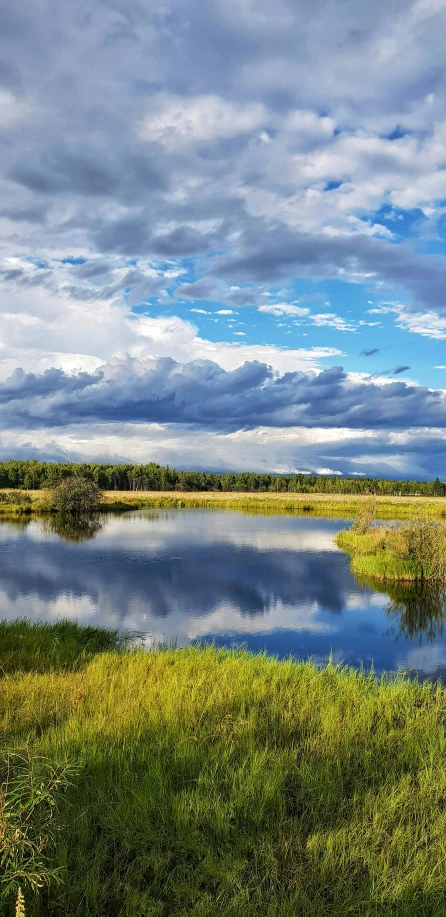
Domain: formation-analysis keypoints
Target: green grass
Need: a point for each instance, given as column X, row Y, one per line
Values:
column 31, row 647
column 218, row 783
column 413, row 550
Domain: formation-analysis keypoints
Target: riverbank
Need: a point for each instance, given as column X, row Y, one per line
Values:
column 411, row 551
column 218, row 783
column 341, row 506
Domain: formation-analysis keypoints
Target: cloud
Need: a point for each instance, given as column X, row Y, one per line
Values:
column 203, row 395
column 331, row 320
column 283, row 308
column 225, row 152
column 400, row 369
column 369, row 353
column 199, row 119
column 357, row 258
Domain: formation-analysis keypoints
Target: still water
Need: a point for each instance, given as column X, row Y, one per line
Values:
column 269, row 582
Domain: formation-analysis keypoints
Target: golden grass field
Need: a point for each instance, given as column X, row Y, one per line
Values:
column 320, row 504
column 341, row 505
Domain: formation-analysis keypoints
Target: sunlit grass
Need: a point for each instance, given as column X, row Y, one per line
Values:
column 414, row 550
column 328, row 505
column 219, row 783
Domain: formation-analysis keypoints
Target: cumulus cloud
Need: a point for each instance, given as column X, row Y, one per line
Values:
column 203, row 395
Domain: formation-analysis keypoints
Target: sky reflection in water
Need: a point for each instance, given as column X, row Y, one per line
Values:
column 271, row 582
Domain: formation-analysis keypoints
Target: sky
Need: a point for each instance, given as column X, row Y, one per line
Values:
column 222, row 234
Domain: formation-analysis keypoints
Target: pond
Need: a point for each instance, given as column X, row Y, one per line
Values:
column 275, row 583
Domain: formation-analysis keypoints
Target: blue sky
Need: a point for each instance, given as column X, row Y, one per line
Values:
column 207, row 210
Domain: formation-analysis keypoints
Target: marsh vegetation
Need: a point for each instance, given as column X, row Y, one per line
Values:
column 217, row 783
column 412, row 550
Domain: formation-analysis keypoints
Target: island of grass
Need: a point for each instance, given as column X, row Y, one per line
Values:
column 208, row 782
column 411, row 551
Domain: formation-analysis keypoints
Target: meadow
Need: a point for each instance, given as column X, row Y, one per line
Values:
column 213, row 782
column 13, row 502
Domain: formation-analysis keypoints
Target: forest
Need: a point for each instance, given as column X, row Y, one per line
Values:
column 34, row 475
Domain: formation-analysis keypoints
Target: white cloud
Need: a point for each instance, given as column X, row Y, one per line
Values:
column 331, row 320
column 177, row 119
column 283, row 308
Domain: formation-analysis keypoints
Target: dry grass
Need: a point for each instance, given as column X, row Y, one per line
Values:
column 318, row 504
column 340, row 505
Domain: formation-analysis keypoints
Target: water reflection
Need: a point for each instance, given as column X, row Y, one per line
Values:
column 271, row 582
column 418, row 609
column 73, row 528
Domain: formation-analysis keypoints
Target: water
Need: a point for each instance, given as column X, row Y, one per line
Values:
column 269, row 582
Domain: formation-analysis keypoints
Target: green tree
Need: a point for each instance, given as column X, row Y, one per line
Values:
column 76, row 497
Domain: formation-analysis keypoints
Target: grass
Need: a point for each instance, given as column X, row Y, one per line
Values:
column 39, row 647
column 278, row 503
column 218, row 783
column 414, row 550
column 338, row 505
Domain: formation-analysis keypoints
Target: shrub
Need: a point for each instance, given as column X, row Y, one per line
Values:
column 30, row 791
column 365, row 517
column 76, row 496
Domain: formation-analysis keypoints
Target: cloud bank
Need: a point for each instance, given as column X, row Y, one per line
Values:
column 237, row 160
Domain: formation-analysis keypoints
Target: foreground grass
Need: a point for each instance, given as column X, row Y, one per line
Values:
column 338, row 505
column 219, row 783
column 31, row 647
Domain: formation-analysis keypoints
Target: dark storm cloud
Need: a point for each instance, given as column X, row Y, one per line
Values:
column 203, row 395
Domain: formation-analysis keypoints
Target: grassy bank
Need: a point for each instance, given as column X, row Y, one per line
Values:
column 343, row 506
column 300, row 504
column 217, row 783
column 411, row 551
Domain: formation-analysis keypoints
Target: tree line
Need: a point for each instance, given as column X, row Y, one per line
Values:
column 33, row 475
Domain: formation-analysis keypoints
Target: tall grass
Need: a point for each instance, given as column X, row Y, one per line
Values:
column 39, row 647
column 219, row 783
column 331, row 505
column 414, row 550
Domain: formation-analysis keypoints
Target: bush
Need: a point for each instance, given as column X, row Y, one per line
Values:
column 15, row 498
column 76, row 497
column 365, row 517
